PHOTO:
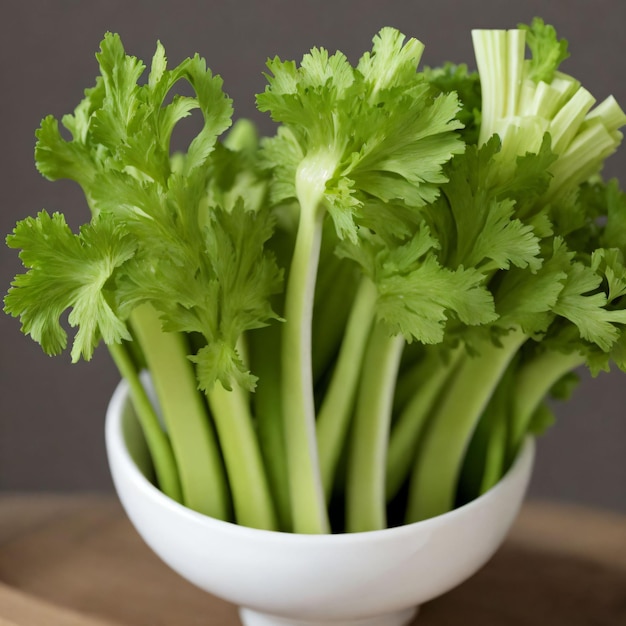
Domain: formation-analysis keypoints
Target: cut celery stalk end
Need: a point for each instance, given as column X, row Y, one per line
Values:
column 610, row 113
column 566, row 123
column 520, row 111
column 583, row 158
column 500, row 61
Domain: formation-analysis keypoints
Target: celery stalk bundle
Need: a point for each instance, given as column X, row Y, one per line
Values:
column 363, row 313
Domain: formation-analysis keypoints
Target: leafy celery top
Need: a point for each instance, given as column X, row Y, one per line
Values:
column 357, row 321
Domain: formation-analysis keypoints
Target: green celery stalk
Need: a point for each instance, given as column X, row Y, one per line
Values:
column 485, row 461
column 430, row 377
column 264, row 346
column 333, row 418
column 248, row 482
column 533, row 382
column 365, row 488
column 157, row 440
column 495, row 458
column 411, row 374
column 333, row 304
column 437, row 468
column 196, row 450
column 306, row 491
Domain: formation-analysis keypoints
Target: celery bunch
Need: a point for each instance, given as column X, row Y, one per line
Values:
column 368, row 308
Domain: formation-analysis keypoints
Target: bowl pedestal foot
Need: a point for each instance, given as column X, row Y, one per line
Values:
column 398, row 618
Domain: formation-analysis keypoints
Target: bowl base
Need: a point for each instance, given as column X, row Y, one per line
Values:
column 397, row 618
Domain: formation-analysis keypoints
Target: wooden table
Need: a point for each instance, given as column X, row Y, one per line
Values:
column 76, row 561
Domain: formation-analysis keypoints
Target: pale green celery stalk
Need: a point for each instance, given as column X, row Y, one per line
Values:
column 609, row 113
column 250, row 490
column 521, row 110
column 330, row 314
column 436, row 471
column 534, row 380
column 565, row 125
column 156, row 439
column 495, row 458
column 493, row 429
column 305, row 484
column 365, row 487
column 430, row 377
column 415, row 369
column 264, row 346
column 597, row 137
column 335, row 412
column 411, row 373
column 545, row 99
column 195, row 447
column 499, row 58
column 593, row 144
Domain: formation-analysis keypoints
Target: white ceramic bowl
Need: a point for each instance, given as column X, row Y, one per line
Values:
column 361, row 579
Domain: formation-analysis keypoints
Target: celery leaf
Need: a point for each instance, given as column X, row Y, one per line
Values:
column 416, row 295
column 546, row 49
column 487, row 233
column 457, row 78
column 68, row 271
column 581, row 303
column 377, row 130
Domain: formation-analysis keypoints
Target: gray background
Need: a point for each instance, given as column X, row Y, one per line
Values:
column 51, row 412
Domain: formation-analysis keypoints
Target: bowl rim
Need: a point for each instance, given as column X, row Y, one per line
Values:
column 116, row 447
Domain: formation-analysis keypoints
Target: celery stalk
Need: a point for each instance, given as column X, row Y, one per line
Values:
column 336, row 410
column 188, row 424
column 431, row 376
column 306, row 492
column 533, row 382
column 437, row 468
column 485, row 461
column 365, row 492
column 252, row 501
column 264, row 345
column 157, row 440
column 332, row 308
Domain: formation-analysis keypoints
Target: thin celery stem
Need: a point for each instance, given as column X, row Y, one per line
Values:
column 432, row 375
column 330, row 315
column 365, row 488
column 336, row 410
column 495, row 455
column 157, row 440
column 305, row 484
column 498, row 416
column 264, row 346
column 248, row 482
column 533, row 382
